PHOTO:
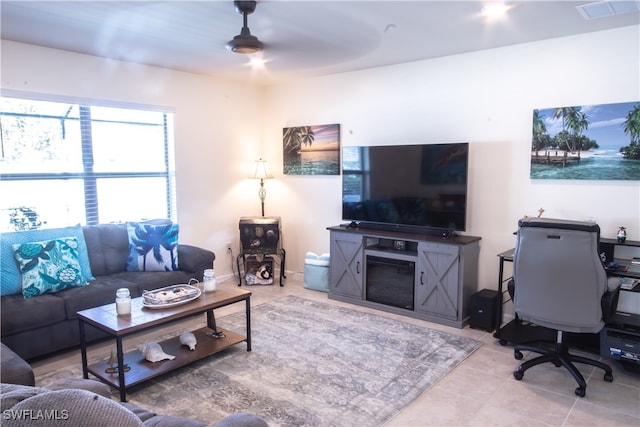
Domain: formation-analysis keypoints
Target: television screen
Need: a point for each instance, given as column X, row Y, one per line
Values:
column 415, row 186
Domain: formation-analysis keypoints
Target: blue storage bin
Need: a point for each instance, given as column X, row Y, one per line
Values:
column 316, row 272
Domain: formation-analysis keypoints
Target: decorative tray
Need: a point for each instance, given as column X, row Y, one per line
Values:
column 170, row 296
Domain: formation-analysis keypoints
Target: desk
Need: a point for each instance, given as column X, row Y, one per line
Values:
column 506, row 256
column 519, row 332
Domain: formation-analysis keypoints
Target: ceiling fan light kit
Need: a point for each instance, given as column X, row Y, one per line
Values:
column 245, row 42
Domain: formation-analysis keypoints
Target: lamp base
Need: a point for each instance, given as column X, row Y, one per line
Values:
column 262, row 193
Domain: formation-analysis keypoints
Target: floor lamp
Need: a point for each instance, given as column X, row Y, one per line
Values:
column 261, row 172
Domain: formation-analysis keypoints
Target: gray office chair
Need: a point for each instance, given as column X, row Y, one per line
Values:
column 561, row 284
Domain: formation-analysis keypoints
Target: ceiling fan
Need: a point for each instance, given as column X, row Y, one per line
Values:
column 245, row 42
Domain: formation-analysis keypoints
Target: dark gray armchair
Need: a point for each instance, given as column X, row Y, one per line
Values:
column 561, row 284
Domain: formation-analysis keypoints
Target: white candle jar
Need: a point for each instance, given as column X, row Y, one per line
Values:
column 123, row 302
column 209, row 282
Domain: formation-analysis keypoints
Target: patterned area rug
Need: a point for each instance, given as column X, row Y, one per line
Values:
column 312, row 364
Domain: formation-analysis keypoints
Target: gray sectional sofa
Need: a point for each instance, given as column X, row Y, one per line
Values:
column 37, row 326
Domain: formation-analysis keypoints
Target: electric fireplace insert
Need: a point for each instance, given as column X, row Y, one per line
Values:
column 390, row 281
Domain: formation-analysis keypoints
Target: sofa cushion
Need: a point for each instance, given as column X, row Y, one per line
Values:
column 12, row 394
column 111, row 250
column 49, row 266
column 94, row 247
column 195, row 259
column 153, row 246
column 100, row 292
column 93, row 386
column 19, row 314
column 151, row 419
column 72, row 407
column 149, row 280
column 242, row 419
column 10, row 280
column 141, row 413
column 170, row 421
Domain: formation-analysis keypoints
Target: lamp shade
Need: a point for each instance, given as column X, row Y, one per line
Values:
column 261, row 170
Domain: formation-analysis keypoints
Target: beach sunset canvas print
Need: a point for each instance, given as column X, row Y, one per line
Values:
column 311, row 150
column 595, row 142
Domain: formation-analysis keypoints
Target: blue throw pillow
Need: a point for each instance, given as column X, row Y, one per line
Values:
column 153, row 246
column 49, row 266
column 10, row 278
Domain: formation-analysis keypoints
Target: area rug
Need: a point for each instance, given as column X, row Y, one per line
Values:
column 312, row 364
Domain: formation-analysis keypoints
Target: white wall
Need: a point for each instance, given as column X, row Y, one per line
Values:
column 217, row 129
column 486, row 98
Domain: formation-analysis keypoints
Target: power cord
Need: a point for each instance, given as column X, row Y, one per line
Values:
column 234, row 273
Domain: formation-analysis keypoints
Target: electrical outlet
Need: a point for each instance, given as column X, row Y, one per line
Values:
column 228, row 247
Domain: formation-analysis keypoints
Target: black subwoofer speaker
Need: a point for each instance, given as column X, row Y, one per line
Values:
column 483, row 310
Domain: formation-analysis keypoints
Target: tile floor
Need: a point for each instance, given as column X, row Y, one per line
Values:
column 481, row 391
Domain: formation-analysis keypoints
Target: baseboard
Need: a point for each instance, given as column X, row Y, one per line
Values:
column 293, row 275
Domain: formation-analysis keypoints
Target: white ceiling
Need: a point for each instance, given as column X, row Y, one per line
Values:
column 302, row 38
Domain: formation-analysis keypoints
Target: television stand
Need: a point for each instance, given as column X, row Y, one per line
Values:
column 440, row 272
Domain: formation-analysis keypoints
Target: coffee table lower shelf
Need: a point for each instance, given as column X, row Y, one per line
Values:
column 143, row 370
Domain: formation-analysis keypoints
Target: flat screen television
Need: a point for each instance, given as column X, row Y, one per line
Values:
column 415, row 188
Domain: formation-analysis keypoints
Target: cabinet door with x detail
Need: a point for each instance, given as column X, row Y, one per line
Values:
column 346, row 271
column 437, row 274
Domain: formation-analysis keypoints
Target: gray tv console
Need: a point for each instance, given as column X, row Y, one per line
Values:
column 422, row 276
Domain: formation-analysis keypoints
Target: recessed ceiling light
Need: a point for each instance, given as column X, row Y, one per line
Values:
column 495, row 10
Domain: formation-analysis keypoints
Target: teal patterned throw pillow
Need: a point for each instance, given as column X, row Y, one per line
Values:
column 10, row 277
column 153, row 246
column 49, row 266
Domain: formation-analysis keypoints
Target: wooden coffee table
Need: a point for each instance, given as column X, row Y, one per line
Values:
column 210, row 339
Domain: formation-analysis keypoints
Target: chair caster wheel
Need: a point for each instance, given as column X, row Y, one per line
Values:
column 580, row 392
column 518, row 355
column 518, row 375
column 608, row 378
column 503, row 342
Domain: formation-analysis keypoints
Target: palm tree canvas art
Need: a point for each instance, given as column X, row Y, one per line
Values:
column 595, row 142
column 311, row 150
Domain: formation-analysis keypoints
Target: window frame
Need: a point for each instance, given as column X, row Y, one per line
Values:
column 88, row 176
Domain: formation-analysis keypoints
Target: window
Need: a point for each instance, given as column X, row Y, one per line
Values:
column 355, row 173
column 62, row 164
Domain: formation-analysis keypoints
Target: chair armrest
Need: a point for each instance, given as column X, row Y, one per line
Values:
column 14, row 369
column 609, row 301
column 195, row 260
